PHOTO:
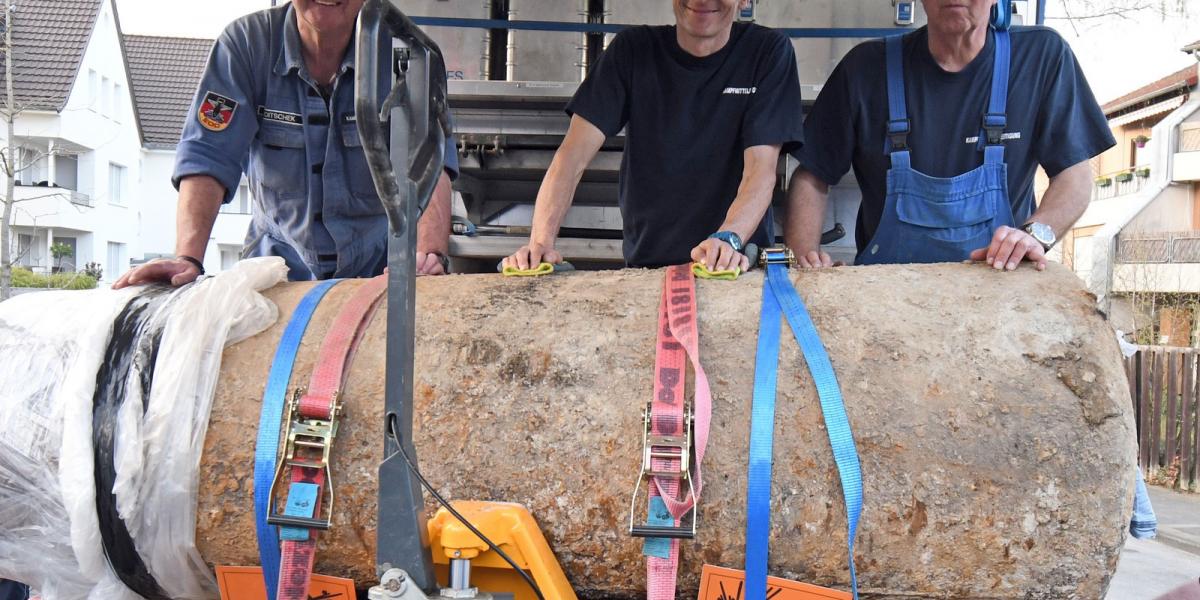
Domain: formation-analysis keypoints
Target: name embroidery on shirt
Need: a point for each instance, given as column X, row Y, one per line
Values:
column 1014, row 135
column 740, row 91
column 280, row 116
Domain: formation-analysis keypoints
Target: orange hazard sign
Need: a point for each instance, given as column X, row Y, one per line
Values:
column 246, row 583
column 719, row 583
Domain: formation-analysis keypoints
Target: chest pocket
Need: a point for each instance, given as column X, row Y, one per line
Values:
column 958, row 219
column 282, row 163
column 358, row 174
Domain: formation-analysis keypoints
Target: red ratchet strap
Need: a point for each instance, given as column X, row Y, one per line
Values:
column 311, row 429
column 670, row 421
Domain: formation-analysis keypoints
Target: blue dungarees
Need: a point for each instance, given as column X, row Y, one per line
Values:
column 933, row 219
column 258, row 110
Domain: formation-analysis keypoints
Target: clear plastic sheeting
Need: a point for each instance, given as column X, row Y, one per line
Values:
column 53, row 345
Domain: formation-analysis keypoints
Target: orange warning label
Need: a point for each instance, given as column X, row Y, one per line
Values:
column 246, row 583
column 719, row 583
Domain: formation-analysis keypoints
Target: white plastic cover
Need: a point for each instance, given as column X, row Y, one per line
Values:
column 53, row 344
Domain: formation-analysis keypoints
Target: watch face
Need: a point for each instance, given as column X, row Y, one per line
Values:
column 1041, row 232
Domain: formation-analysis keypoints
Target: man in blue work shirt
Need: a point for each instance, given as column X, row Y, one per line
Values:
column 277, row 102
column 706, row 105
column 944, row 152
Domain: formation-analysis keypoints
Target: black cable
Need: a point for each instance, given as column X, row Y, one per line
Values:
column 436, row 496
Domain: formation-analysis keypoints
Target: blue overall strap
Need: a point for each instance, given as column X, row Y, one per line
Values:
column 266, row 448
column 837, row 424
column 996, row 118
column 897, row 125
column 762, row 434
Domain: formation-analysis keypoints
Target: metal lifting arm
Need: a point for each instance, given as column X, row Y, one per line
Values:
column 403, row 139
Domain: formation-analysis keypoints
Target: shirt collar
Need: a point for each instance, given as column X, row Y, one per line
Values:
column 292, row 57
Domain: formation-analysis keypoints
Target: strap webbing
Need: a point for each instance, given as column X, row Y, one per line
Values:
column 780, row 297
column 677, row 337
column 266, row 448
column 328, row 379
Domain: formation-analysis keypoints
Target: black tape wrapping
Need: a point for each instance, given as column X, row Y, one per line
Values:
column 126, row 375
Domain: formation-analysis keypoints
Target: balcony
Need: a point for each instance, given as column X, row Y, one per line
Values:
column 1158, row 262
column 1120, row 183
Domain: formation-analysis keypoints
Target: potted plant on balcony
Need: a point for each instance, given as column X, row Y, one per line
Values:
column 1143, row 172
column 1124, row 176
column 1140, row 141
column 1103, row 181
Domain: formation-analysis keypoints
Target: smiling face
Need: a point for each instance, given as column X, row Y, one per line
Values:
column 956, row 17
column 327, row 17
column 705, row 22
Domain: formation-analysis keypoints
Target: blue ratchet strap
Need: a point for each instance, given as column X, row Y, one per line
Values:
column 266, row 448
column 783, row 297
column 762, row 440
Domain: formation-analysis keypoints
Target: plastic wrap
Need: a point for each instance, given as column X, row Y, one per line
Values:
column 52, row 411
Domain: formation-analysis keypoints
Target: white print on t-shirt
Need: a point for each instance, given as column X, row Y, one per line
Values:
column 1015, row 135
column 740, row 91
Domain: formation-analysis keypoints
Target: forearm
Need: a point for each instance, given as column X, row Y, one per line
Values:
column 1066, row 199
column 582, row 142
column 433, row 230
column 754, row 193
column 199, row 202
column 805, row 212
column 554, row 200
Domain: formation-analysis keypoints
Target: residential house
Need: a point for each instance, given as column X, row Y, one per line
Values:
column 100, row 116
column 78, row 148
column 1138, row 244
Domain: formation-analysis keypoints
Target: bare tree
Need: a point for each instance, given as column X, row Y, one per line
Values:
column 1085, row 12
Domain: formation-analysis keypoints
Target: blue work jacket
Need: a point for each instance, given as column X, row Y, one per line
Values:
column 257, row 111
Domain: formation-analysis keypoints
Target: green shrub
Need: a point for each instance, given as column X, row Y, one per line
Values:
column 24, row 278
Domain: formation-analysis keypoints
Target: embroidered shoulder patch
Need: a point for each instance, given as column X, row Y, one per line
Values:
column 216, row 111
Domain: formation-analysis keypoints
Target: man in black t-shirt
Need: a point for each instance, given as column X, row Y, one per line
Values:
column 1050, row 118
column 707, row 105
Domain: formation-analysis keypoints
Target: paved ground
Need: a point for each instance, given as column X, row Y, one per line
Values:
column 1150, row 568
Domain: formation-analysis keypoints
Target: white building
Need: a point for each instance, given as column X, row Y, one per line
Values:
column 100, row 117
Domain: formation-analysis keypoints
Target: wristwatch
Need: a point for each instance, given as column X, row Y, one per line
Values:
column 445, row 260
column 1041, row 232
column 730, row 238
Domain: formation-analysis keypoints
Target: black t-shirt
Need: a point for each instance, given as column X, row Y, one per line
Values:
column 1053, row 118
column 687, row 122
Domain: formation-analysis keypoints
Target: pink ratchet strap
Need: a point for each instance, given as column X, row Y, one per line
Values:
column 673, row 433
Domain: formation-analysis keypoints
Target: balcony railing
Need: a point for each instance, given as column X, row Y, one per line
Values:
column 1122, row 183
column 1166, row 247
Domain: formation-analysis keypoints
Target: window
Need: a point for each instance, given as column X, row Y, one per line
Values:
column 229, row 258
column 116, row 184
column 240, row 204
column 66, row 171
column 93, row 88
column 117, row 104
column 118, row 261
column 28, row 253
column 105, row 96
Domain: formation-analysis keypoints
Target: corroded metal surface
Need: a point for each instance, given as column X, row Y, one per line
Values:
column 990, row 411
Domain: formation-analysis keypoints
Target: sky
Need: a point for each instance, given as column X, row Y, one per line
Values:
column 1119, row 52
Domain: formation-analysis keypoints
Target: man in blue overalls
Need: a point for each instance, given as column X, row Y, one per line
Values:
column 277, row 102
column 945, row 128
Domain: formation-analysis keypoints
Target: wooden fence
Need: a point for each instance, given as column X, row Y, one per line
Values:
column 1163, row 383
